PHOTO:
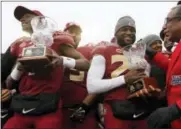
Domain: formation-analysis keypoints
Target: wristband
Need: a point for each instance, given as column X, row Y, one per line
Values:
column 69, row 62
column 16, row 74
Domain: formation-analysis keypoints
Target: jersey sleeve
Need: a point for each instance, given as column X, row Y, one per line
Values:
column 85, row 51
column 61, row 38
column 98, row 51
column 14, row 48
column 20, row 42
column 8, row 60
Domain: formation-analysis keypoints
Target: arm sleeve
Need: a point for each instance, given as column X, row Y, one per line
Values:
column 95, row 83
column 161, row 61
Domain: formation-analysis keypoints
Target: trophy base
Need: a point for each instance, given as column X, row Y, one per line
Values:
column 35, row 58
column 34, row 61
column 141, row 84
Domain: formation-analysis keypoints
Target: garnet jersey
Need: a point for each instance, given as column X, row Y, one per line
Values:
column 116, row 65
column 32, row 85
column 74, row 83
column 59, row 38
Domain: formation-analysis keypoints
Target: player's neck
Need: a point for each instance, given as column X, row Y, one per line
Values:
column 25, row 33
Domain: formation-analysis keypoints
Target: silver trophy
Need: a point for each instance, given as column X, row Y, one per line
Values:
column 40, row 54
column 43, row 28
column 135, row 55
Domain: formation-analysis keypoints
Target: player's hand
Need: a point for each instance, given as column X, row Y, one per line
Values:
column 79, row 113
column 5, row 95
column 134, row 75
column 145, row 92
column 9, row 82
column 56, row 60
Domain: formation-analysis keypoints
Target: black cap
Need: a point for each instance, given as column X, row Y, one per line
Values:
column 20, row 11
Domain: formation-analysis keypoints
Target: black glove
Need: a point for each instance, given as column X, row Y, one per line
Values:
column 163, row 116
column 79, row 112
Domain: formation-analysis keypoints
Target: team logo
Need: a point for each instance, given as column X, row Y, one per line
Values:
column 176, row 80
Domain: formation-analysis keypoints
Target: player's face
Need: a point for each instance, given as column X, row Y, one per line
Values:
column 173, row 26
column 126, row 36
column 157, row 46
column 26, row 22
column 76, row 33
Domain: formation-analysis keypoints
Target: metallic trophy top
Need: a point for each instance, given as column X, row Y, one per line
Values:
column 135, row 55
column 43, row 28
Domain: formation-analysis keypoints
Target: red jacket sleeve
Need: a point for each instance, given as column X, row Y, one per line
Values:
column 161, row 61
column 179, row 103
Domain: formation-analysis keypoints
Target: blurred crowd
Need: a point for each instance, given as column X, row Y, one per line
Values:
column 95, row 85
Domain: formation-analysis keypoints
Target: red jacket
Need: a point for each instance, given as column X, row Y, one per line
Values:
column 173, row 69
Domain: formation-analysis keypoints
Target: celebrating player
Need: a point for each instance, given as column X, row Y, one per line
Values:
column 109, row 73
column 39, row 97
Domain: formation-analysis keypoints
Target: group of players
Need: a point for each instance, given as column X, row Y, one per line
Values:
column 86, row 87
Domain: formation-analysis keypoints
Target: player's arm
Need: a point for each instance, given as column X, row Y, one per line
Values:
column 95, row 82
column 64, row 45
column 90, row 99
column 78, row 61
column 7, row 62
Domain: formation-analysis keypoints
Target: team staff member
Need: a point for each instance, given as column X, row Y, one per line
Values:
column 172, row 113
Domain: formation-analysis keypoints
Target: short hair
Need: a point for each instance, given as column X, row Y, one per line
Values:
column 178, row 10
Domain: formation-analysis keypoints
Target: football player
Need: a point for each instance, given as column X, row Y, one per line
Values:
column 79, row 110
column 39, row 103
column 109, row 74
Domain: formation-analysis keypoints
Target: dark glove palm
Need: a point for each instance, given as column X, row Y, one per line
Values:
column 79, row 113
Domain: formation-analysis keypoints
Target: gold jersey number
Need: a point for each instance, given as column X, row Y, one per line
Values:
column 115, row 73
column 77, row 78
column 120, row 69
